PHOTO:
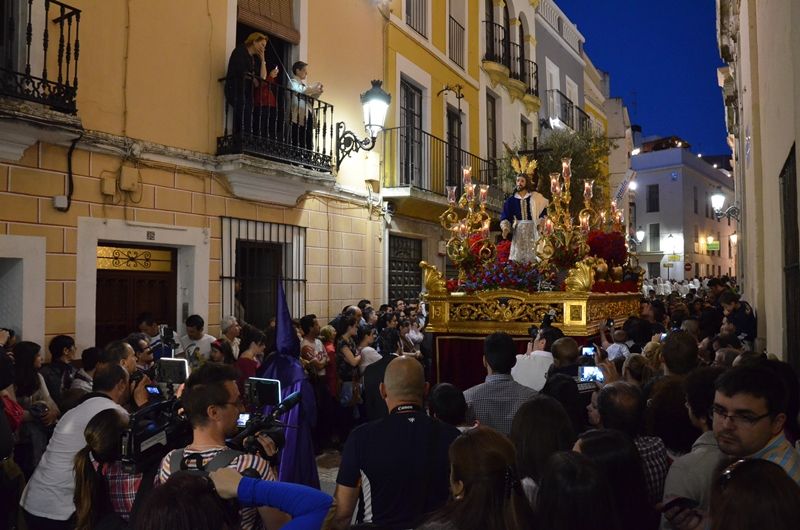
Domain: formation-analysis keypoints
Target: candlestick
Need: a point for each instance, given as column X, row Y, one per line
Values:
column 484, row 194
column 584, row 224
column 587, row 190
column 548, row 227
column 485, row 229
column 451, row 194
column 470, row 192
column 603, row 217
column 555, row 185
column 467, row 170
column 566, row 169
column 462, row 230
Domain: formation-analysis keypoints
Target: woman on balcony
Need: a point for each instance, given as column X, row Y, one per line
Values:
column 301, row 106
column 266, row 106
column 245, row 64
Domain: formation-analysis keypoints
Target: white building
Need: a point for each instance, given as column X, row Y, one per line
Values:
column 673, row 208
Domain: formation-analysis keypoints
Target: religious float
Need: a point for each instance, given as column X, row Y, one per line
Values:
column 583, row 276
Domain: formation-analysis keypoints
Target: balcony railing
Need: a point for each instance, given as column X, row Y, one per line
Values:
column 561, row 107
column 417, row 15
column 30, row 30
column 413, row 157
column 271, row 121
column 456, row 48
column 531, row 77
column 495, row 43
column 515, row 61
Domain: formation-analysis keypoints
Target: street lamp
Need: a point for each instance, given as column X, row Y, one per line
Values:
column 640, row 235
column 734, row 238
column 710, row 239
column 718, row 201
column 375, row 102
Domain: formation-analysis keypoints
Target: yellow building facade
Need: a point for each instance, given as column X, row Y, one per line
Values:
column 121, row 190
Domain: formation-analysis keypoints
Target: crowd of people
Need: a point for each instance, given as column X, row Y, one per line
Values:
column 689, row 428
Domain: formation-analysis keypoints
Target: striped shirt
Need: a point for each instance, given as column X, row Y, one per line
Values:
column 250, row 517
column 781, row 452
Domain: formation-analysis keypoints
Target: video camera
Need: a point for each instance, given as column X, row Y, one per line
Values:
column 261, row 393
column 151, row 433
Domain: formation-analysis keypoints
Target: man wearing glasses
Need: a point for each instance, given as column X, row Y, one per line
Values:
column 747, row 419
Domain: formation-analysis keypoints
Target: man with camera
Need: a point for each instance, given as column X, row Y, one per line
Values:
column 212, row 405
column 48, row 499
column 531, row 368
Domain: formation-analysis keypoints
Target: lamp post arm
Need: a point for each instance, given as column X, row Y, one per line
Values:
column 347, row 143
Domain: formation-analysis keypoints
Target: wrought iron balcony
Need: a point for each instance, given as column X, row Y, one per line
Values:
column 417, row 15
column 39, row 39
column 515, row 63
column 530, row 76
column 271, row 121
column 456, row 44
column 570, row 114
column 496, row 44
column 412, row 157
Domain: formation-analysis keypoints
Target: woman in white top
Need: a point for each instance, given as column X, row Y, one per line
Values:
column 365, row 338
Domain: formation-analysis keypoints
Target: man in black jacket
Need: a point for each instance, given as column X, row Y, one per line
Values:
column 59, row 373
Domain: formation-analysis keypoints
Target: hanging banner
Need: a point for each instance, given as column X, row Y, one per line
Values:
column 630, row 175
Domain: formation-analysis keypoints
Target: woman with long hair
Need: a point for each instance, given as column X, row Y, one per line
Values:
column 619, row 459
column 347, row 361
column 100, row 492
column 40, row 410
column 754, row 493
column 575, row 493
column 540, row 428
column 486, row 493
column 564, row 389
column 222, row 352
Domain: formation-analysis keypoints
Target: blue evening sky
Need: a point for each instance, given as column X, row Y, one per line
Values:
column 667, row 53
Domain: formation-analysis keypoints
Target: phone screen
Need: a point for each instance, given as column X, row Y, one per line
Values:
column 591, row 374
column 664, row 335
column 587, row 350
column 153, row 390
column 243, row 419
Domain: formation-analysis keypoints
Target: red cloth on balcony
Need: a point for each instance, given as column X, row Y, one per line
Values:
column 264, row 96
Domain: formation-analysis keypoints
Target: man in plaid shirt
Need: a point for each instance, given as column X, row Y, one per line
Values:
column 212, row 404
column 495, row 402
column 620, row 407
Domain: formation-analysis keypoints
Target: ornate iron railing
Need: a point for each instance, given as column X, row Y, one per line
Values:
column 561, row 107
column 412, row 157
column 268, row 120
column 456, row 48
column 495, row 43
column 530, row 76
column 28, row 31
column 515, row 62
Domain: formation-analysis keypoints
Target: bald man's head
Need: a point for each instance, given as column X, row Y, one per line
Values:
column 404, row 380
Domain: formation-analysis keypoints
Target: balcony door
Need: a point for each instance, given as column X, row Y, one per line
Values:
column 454, row 162
column 411, row 137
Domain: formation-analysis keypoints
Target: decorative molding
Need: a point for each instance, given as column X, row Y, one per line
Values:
column 497, row 72
column 532, row 103
column 516, row 89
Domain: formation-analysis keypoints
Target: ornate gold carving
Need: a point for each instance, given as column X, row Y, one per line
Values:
column 581, row 277
column 432, row 278
column 139, row 259
column 575, row 312
column 603, row 309
column 504, row 310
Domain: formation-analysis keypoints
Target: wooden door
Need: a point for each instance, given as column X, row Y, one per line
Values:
column 132, row 281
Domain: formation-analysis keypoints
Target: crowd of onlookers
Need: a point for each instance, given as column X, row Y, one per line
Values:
column 686, row 427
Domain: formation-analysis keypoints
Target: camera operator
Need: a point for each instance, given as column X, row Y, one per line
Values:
column 212, row 405
column 47, row 501
column 531, row 368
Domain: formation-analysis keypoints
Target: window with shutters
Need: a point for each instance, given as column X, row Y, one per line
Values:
column 652, row 198
column 655, row 238
column 275, row 17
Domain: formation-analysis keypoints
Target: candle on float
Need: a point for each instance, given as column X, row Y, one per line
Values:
column 613, row 208
column 566, row 169
column 555, row 185
column 548, row 227
column 463, row 229
column 470, row 192
column 467, row 170
column 451, row 194
column 585, row 223
column 485, row 229
column 587, row 189
column 603, row 217
column 484, row 193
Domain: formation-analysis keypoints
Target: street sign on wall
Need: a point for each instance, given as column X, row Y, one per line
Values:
column 714, row 245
